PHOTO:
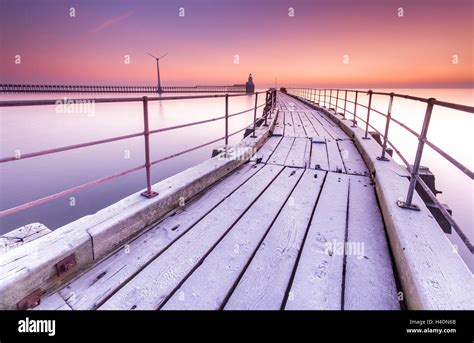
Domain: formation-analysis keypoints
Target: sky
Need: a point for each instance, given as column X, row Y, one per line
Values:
column 341, row 43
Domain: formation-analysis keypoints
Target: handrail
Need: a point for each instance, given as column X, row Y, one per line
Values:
column 16, row 103
column 269, row 104
column 309, row 94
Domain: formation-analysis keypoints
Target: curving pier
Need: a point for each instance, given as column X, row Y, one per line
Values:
column 300, row 215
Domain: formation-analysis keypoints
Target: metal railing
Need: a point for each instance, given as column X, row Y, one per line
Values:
column 320, row 98
column 269, row 104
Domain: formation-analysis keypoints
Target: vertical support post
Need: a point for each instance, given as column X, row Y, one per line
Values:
column 366, row 136
column 345, row 105
column 387, row 124
column 324, row 97
column 274, row 93
column 416, row 165
column 255, row 115
column 149, row 193
column 319, row 96
column 226, row 124
column 268, row 106
column 354, row 121
column 337, row 100
column 330, row 98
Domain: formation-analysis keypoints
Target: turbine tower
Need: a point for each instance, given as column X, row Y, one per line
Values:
column 158, row 69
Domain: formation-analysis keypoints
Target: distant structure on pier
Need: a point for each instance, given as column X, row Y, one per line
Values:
column 249, row 85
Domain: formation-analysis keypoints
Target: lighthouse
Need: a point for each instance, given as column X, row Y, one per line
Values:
column 249, row 85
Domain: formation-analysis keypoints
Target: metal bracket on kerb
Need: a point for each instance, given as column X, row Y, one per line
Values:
column 31, row 300
column 66, row 264
column 149, row 195
column 404, row 205
column 380, row 158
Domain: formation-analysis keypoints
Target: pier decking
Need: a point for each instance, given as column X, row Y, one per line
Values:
column 299, row 227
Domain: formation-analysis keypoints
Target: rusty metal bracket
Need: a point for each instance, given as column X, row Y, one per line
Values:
column 66, row 264
column 31, row 300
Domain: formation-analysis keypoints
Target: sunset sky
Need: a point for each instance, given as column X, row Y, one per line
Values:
column 383, row 49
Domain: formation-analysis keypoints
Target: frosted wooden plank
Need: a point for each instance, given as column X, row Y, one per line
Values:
column 265, row 282
column 329, row 125
column 322, row 131
column 298, row 125
column 94, row 286
column 22, row 235
column 334, row 157
column 279, row 127
column 281, row 152
column 299, row 153
column 157, row 280
column 352, row 159
column 308, row 127
column 369, row 284
column 267, row 149
column 289, row 126
column 332, row 127
column 52, row 302
column 317, row 284
column 319, row 155
column 208, row 285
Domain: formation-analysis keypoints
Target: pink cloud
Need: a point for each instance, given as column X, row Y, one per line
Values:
column 112, row 21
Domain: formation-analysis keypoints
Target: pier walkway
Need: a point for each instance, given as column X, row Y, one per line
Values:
column 297, row 227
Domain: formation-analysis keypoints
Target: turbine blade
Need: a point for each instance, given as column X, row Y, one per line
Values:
column 152, row 55
column 162, row 56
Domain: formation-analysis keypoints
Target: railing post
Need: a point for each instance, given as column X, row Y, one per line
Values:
column 337, row 100
column 324, row 97
column 149, row 193
column 366, row 136
column 345, row 104
column 226, row 124
column 387, row 124
column 255, row 115
column 268, row 106
column 330, row 98
column 416, row 165
column 274, row 102
column 319, row 96
column 354, row 121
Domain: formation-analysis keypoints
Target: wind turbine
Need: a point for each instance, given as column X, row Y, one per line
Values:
column 158, row 69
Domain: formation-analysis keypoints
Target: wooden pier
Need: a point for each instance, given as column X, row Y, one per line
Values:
column 268, row 236
column 301, row 214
